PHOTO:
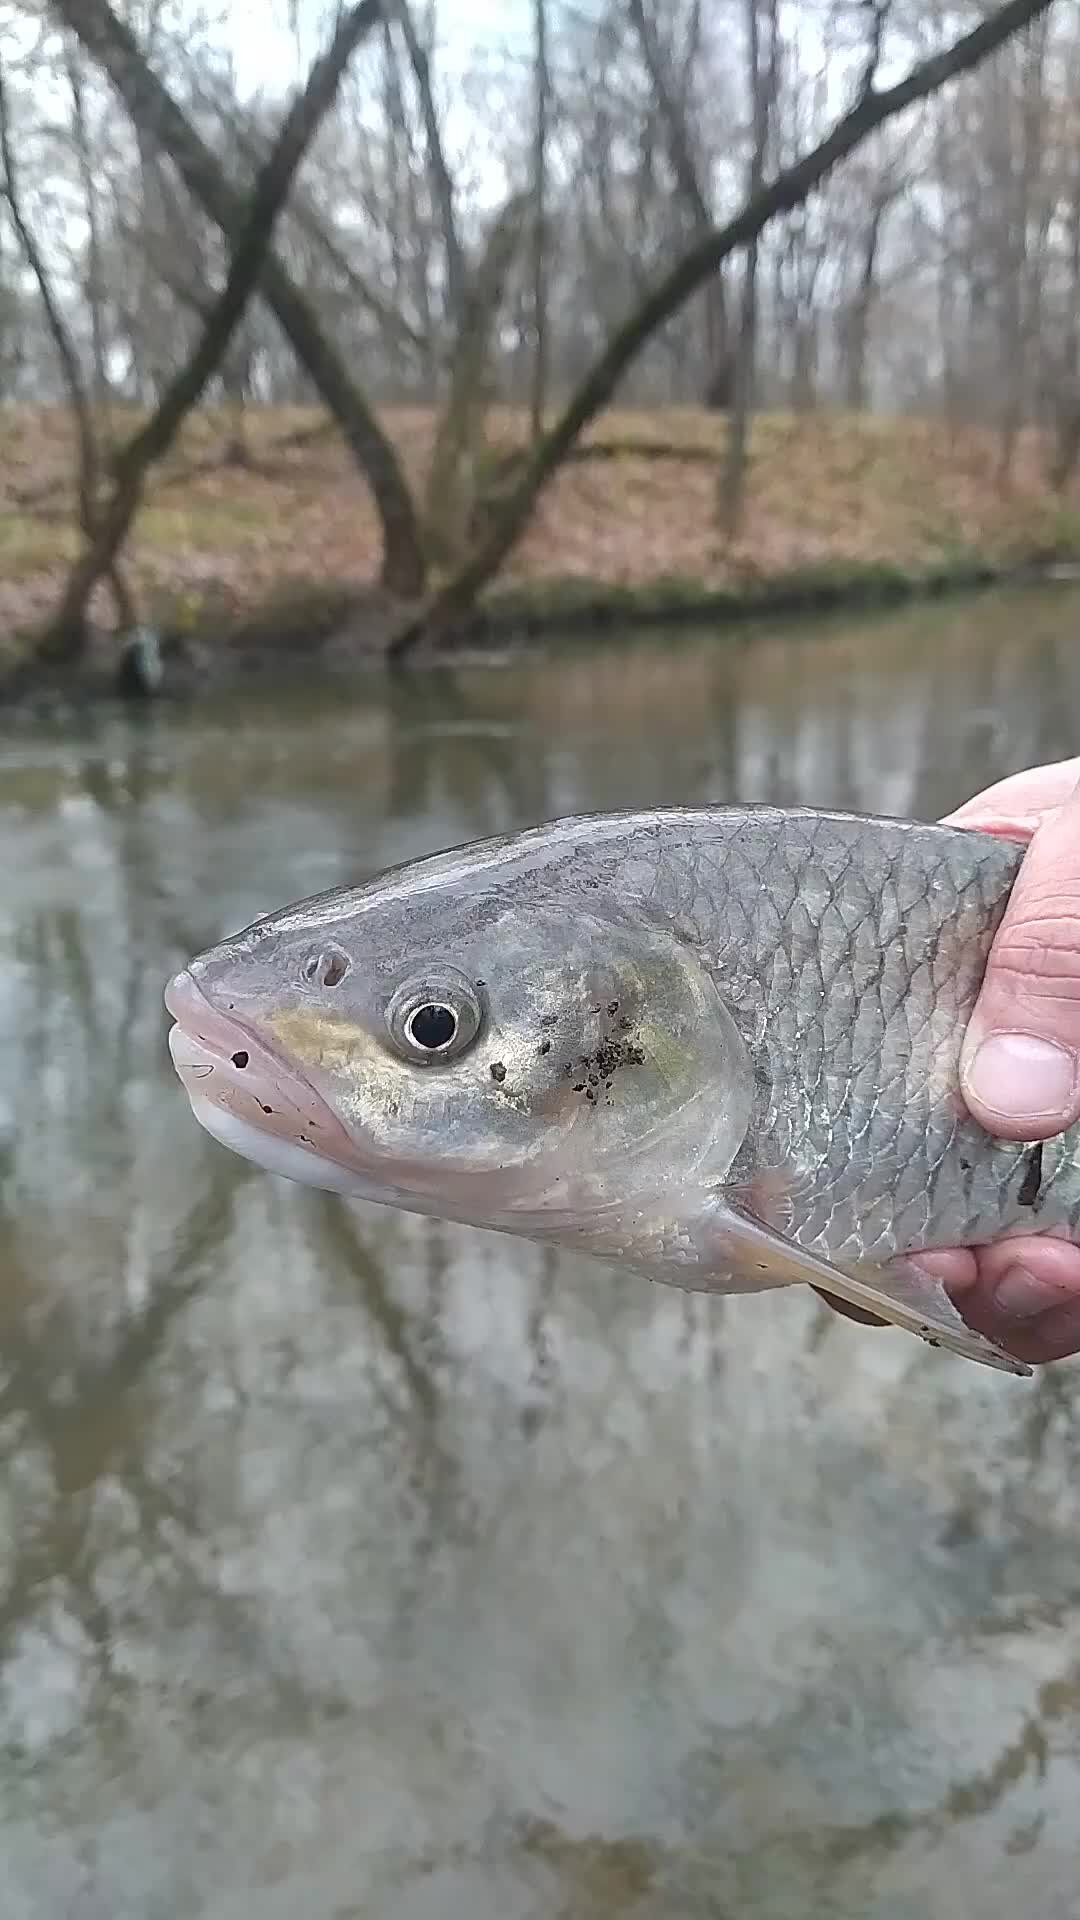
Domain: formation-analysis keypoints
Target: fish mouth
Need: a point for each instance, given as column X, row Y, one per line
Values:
column 231, row 1076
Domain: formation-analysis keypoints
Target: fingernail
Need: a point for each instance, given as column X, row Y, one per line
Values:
column 1019, row 1294
column 1021, row 1076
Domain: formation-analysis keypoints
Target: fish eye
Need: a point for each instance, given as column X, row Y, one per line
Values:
column 432, row 1027
column 434, row 1019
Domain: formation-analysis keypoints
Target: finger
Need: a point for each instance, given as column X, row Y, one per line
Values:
column 1020, row 1062
column 1019, row 804
column 1025, row 1295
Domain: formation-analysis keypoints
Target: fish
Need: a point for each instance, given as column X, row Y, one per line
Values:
column 715, row 1047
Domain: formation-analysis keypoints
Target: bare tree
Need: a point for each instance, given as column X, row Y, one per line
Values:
column 673, row 113
column 540, row 235
column 788, row 190
column 88, row 458
column 65, row 633
column 95, row 278
column 159, row 118
column 442, row 186
column 885, row 187
column 762, row 73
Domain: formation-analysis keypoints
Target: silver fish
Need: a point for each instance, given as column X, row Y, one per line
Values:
column 715, row 1047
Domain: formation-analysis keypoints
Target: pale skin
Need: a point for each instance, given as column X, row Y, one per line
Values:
column 1020, row 1066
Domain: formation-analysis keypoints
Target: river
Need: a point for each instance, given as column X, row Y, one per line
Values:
column 356, row 1565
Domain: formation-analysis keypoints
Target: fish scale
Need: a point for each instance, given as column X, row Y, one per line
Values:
column 876, row 1123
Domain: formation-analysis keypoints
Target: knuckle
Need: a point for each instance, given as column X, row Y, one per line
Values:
column 1039, row 955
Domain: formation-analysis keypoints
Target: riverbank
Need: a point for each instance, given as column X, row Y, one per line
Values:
column 266, row 560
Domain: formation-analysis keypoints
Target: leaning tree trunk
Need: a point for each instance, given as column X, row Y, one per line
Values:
column 156, row 113
column 788, row 190
column 132, row 464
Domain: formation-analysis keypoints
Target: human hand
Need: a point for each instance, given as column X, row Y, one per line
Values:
column 1020, row 1064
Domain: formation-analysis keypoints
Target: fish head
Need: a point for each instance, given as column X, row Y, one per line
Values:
column 466, row 1045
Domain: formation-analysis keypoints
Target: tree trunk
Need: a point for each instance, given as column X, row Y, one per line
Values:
column 64, row 633
column 110, row 42
column 1067, row 408
column 442, row 187
column 858, row 329
column 451, row 492
column 763, row 80
column 542, row 83
column 788, row 190
column 87, row 455
column 95, row 278
column 720, row 376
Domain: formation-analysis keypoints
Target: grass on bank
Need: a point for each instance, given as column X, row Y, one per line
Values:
column 834, row 501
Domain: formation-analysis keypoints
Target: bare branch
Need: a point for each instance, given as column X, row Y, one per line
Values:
column 442, row 187
column 271, row 190
column 88, row 462
column 879, row 11
column 788, row 190
column 155, row 112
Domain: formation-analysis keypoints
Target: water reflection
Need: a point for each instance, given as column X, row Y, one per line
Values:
column 357, row 1565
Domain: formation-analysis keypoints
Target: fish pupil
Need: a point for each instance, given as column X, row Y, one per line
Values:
column 432, row 1027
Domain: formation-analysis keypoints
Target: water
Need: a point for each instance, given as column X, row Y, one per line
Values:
column 359, row 1566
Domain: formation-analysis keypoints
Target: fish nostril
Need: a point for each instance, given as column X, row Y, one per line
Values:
column 328, row 966
column 240, row 1059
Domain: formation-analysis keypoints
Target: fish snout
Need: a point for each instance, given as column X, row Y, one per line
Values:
column 222, row 1062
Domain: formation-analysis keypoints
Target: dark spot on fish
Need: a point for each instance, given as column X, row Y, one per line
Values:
column 1029, row 1192
column 965, row 1164
column 240, row 1059
column 266, row 1109
column 579, row 1086
column 613, row 1006
column 594, row 1080
column 548, row 1019
column 498, row 1072
column 595, row 1009
column 610, row 1055
column 589, row 1094
column 544, row 1047
column 625, row 1024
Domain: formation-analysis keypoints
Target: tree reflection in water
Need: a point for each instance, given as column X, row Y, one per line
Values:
column 357, row 1564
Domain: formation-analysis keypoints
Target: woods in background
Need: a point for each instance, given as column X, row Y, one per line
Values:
column 758, row 204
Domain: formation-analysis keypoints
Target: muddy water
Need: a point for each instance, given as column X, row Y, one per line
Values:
column 358, row 1566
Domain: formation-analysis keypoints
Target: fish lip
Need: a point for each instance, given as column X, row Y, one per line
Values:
column 197, row 1019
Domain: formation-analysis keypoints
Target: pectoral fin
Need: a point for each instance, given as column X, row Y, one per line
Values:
column 899, row 1293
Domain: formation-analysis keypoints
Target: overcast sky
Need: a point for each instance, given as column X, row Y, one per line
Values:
column 266, row 54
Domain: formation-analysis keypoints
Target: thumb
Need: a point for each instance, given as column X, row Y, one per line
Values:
column 1020, row 1063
